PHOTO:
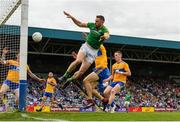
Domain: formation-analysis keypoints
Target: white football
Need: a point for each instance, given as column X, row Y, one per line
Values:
column 37, row 37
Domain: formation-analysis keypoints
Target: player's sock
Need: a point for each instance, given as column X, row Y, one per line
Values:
column 71, row 79
column 67, row 74
column 16, row 106
column 127, row 110
column 108, row 106
column 64, row 77
column 112, row 104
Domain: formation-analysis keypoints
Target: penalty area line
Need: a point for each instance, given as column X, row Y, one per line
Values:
column 41, row 119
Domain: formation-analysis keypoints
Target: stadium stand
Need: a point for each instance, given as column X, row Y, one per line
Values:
column 152, row 63
column 146, row 92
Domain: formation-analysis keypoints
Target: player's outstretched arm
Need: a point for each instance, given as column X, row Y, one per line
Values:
column 108, row 79
column 84, row 35
column 33, row 76
column 77, row 22
column 3, row 57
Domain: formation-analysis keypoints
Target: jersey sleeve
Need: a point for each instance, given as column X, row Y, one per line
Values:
column 112, row 71
column 90, row 25
column 54, row 81
column 105, row 30
column 126, row 67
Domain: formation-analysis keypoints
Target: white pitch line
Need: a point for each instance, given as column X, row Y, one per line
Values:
column 41, row 119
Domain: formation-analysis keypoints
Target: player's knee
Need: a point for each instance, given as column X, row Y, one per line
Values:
column 81, row 73
column 77, row 61
column 85, row 81
column 105, row 94
column 44, row 98
column 77, row 74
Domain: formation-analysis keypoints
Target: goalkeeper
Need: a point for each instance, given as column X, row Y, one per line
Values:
column 12, row 79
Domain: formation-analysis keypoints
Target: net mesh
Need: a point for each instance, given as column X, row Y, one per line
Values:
column 10, row 14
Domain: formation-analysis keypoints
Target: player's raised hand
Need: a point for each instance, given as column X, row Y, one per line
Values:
column 5, row 50
column 74, row 54
column 67, row 14
column 102, row 38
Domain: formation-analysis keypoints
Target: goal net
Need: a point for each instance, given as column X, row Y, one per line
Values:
column 11, row 26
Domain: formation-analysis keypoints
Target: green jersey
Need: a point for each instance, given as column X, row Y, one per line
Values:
column 128, row 97
column 94, row 36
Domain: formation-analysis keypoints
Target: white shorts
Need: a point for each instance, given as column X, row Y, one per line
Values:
column 89, row 52
column 127, row 103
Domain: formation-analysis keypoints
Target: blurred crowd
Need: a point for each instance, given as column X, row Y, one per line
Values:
column 69, row 96
column 154, row 92
column 145, row 92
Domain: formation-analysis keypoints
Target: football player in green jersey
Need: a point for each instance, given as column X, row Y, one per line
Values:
column 88, row 51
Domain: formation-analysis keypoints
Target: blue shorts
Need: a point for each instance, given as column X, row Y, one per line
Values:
column 48, row 94
column 121, row 84
column 12, row 85
column 103, row 74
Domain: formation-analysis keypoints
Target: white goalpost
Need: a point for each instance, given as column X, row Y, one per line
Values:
column 23, row 54
column 13, row 41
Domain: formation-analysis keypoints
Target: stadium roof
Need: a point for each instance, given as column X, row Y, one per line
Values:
column 114, row 39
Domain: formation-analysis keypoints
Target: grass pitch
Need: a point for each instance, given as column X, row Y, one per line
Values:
column 59, row 116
